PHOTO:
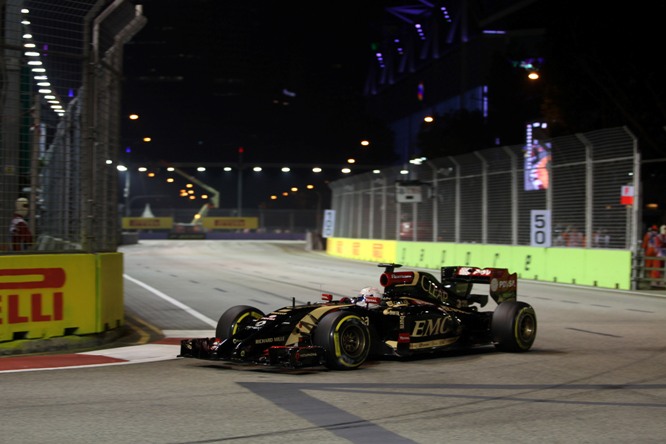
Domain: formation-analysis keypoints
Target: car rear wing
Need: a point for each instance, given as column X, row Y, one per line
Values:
column 503, row 285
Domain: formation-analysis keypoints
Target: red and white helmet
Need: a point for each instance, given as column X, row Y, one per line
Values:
column 369, row 297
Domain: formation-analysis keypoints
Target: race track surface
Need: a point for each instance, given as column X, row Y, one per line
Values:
column 596, row 373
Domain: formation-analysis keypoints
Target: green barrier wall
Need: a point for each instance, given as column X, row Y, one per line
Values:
column 599, row 268
column 45, row 296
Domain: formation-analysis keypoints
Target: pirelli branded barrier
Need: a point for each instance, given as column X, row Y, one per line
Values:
column 231, row 223
column 147, row 223
column 581, row 266
column 45, row 296
column 209, row 223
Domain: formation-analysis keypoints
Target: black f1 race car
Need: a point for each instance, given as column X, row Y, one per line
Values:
column 416, row 314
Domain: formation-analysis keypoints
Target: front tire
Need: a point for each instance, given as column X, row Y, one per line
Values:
column 345, row 339
column 514, row 326
column 235, row 319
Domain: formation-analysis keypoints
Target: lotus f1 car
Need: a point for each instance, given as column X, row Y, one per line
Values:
column 417, row 314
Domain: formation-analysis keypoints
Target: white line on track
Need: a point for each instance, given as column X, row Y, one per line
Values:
column 173, row 301
column 139, row 353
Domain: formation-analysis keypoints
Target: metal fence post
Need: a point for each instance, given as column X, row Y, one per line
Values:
column 484, row 197
column 456, row 229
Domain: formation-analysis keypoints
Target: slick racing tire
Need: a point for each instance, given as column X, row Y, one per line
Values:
column 345, row 339
column 234, row 319
column 514, row 326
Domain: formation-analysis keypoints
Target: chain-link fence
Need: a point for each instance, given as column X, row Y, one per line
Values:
column 60, row 87
column 585, row 182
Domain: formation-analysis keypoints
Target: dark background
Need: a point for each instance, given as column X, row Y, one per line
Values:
column 287, row 81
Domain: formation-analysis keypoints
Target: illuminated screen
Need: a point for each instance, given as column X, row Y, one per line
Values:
column 537, row 166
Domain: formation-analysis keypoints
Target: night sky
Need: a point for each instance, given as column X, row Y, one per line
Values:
column 280, row 79
column 285, row 80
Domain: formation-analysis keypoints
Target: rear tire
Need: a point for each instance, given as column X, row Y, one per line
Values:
column 514, row 326
column 345, row 339
column 234, row 319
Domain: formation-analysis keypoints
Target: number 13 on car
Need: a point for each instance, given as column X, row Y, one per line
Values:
column 540, row 228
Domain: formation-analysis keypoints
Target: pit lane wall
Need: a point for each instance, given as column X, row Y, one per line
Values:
column 45, row 296
column 580, row 266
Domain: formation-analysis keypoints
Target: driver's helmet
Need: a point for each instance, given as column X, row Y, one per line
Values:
column 369, row 297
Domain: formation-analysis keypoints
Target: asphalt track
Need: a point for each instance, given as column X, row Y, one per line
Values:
column 596, row 373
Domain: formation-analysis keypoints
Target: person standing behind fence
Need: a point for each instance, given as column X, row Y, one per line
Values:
column 661, row 251
column 21, row 236
column 573, row 237
column 651, row 246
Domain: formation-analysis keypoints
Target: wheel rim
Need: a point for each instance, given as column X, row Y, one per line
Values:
column 353, row 341
column 526, row 328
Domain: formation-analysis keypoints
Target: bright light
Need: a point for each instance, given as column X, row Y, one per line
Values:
column 273, row 197
column 346, row 170
column 143, row 169
column 351, row 160
column 533, row 75
column 294, row 189
column 286, row 169
column 133, row 116
column 316, row 170
column 309, row 187
column 189, row 185
column 428, row 119
column 365, row 143
column 151, row 174
column 170, row 169
column 121, row 168
column 404, row 171
column 147, row 139
column 256, row 169
column 109, row 162
column 227, row 168
column 376, row 171
column 201, row 168
column 285, row 194
column 170, row 179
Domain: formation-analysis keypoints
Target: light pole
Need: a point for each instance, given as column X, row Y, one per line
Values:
column 318, row 207
column 126, row 188
column 239, row 197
